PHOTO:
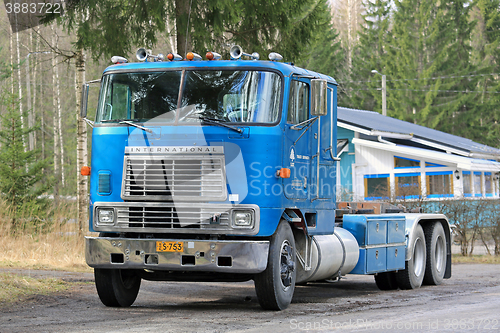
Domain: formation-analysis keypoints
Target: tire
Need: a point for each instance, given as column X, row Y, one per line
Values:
column 435, row 239
column 117, row 287
column 386, row 281
column 413, row 274
column 275, row 285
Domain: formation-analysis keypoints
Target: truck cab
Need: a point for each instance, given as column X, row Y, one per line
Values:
column 221, row 170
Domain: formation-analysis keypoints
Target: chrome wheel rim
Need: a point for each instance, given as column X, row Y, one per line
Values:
column 287, row 265
column 418, row 257
column 439, row 253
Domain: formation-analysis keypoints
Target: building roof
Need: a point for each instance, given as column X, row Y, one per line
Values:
column 463, row 163
column 374, row 124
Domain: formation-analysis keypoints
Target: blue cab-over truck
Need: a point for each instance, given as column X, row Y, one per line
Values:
column 225, row 170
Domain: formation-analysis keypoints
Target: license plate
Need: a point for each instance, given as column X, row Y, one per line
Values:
column 169, row 246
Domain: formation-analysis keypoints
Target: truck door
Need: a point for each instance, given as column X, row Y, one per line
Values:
column 322, row 165
column 298, row 136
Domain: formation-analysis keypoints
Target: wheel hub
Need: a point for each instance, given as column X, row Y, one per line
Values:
column 287, row 264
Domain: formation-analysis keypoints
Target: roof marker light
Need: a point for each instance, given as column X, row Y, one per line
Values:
column 193, row 56
column 273, row 56
column 213, row 56
column 174, row 57
column 118, row 60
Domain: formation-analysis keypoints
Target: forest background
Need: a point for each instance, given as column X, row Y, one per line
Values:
column 441, row 60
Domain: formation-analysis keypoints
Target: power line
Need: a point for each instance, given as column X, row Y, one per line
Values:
column 454, row 91
column 428, row 78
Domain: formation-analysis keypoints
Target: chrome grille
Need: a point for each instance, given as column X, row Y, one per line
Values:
column 180, row 178
column 163, row 217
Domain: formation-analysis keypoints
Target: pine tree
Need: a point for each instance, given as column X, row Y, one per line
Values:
column 456, row 111
column 486, row 42
column 326, row 54
column 202, row 25
column 429, row 53
column 20, row 173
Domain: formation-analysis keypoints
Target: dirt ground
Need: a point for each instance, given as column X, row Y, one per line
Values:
column 468, row 302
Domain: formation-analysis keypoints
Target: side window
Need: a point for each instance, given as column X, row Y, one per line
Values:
column 298, row 104
column 120, row 101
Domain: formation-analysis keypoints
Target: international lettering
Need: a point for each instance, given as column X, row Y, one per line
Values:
column 175, row 150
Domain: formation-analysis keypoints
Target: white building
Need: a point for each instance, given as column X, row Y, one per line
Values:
column 387, row 158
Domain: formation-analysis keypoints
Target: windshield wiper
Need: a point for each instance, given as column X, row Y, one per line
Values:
column 129, row 122
column 117, row 120
column 213, row 121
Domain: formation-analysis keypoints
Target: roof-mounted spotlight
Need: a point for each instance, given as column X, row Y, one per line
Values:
column 193, row 56
column 273, row 56
column 213, row 56
column 174, row 57
column 118, row 60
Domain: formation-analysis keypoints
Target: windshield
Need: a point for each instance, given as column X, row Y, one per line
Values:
column 222, row 95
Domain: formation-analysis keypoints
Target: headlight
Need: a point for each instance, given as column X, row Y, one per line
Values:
column 105, row 215
column 242, row 218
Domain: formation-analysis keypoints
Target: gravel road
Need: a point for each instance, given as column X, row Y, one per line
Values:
column 468, row 302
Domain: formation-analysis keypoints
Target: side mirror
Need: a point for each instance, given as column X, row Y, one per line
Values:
column 319, row 101
column 83, row 104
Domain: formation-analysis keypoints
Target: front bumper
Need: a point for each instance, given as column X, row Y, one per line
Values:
column 198, row 255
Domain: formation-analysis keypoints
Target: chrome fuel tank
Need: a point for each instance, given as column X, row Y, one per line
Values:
column 331, row 256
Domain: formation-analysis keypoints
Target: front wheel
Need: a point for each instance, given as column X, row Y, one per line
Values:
column 413, row 274
column 117, row 287
column 275, row 285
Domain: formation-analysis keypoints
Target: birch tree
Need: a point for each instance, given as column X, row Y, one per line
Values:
column 55, row 128
column 19, row 85
column 81, row 146
column 347, row 20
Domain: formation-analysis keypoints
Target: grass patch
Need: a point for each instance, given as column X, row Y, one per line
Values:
column 53, row 251
column 15, row 288
column 55, row 245
column 475, row 259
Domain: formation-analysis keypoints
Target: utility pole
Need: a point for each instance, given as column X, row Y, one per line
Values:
column 384, row 92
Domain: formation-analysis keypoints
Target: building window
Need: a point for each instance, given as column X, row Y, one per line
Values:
column 496, row 183
column 407, row 185
column 377, row 187
column 467, row 181
column 477, row 185
column 439, row 184
column 403, row 162
column 488, row 184
column 434, row 165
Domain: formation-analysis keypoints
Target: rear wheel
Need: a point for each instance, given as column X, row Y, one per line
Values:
column 435, row 239
column 275, row 285
column 386, row 281
column 117, row 287
column 413, row 274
